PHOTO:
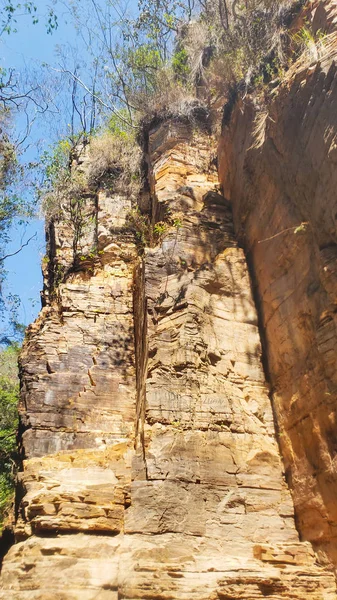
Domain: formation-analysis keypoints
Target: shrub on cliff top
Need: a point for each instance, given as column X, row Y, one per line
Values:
column 114, row 160
column 75, row 170
column 232, row 41
column 60, row 186
column 214, row 45
column 143, row 58
column 171, row 55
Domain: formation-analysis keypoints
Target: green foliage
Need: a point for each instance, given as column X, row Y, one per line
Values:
column 305, row 36
column 159, row 21
column 63, row 194
column 147, row 234
column 59, row 187
column 133, row 74
column 177, row 223
column 140, row 225
column 68, row 190
column 92, row 255
column 234, row 43
column 9, row 12
column 118, row 124
column 143, row 62
column 302, row 228
column 180, row 64
column 56, row 161
column 9, row 391
column 160, row 229
column 305, row 39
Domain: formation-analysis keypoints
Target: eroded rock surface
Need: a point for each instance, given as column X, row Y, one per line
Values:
column 152, row 468
column 278, row 169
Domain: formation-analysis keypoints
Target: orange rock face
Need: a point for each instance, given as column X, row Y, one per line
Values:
column 278, row 169
column 152, row 468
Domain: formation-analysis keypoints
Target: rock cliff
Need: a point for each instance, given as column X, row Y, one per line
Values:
column 278, row 168
column 152, row 468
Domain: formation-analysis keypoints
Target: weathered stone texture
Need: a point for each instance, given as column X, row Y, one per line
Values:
column 207, row 462
column 78, row 368
column 153, row 471
column 282, row 186
column 83, row 491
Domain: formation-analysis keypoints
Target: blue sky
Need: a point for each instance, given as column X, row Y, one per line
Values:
column 29, row 47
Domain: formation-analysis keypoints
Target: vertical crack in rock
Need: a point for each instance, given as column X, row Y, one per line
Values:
column 141, row 353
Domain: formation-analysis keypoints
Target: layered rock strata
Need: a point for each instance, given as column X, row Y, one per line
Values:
column 152, row 468
column 278, row 169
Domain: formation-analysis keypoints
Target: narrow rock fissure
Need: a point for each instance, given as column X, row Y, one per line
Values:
column 141, row 352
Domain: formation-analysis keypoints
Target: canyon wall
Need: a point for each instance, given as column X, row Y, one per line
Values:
column 151, row 466
column 151, row 463
column 277, row 163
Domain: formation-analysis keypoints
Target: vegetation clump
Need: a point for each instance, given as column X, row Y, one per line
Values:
column 75, row 169
column 115, row 158
column 9, row 391
column 169, row 53
column 61, row 188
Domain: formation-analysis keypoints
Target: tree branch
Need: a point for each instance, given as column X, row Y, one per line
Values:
column 97, row 98
column 2, row 258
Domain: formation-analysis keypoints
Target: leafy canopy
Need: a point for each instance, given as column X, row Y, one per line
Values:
column 10, row 11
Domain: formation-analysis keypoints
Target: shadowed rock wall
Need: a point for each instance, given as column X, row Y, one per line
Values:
column 278, row 169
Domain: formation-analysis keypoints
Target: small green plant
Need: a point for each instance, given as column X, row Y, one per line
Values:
column 159, row 230
column 306, row 39
column 301, row 228
column 304, row 36
column 258, row 80
column 140, row 225
column 59, row 273
column 177, row 223
column 180, row 65
column 90, row 255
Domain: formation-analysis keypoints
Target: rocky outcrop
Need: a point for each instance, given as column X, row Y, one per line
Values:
column 278, row 169
column 151, row 465
column 78, row 370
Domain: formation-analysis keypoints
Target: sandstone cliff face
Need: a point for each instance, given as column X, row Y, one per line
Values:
column 151, row 465
column 283, row 194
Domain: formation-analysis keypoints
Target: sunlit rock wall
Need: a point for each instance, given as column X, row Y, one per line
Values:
column 152, row 468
